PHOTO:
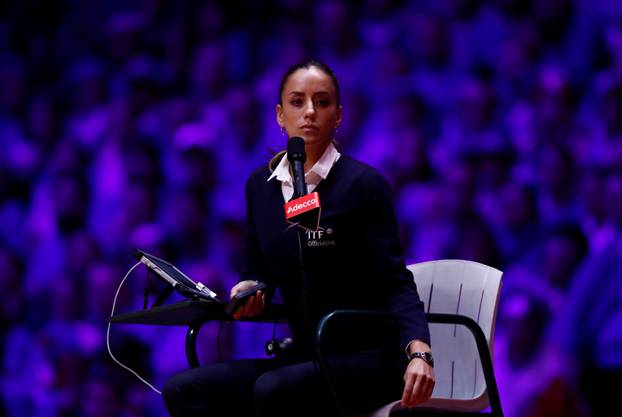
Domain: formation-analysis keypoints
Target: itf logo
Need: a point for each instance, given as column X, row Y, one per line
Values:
column 320, row 238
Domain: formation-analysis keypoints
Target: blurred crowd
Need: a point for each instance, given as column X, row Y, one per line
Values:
column 134, row 124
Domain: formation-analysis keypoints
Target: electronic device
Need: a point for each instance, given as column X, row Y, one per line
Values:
column 239, row 299
column 177, row 279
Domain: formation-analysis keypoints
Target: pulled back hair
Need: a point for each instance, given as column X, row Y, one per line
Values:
column 298, row 66
column 307, row 65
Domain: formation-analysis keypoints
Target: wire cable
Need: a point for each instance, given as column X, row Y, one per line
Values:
column 114, row 303
column 218, row 339
column 341, row 408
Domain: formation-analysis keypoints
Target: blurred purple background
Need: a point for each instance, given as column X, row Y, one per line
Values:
column 135, row 123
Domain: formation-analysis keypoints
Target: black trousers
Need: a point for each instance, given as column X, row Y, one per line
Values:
column 280, row 387
column 601, row 389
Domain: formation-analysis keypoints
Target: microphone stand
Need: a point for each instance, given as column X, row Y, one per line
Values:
column 297, row 157
column 304, row 284
column 304, row 291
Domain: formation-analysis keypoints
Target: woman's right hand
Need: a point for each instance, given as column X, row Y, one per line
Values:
column 254, row 304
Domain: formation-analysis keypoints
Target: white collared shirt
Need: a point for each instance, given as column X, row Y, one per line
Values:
column 317, row 173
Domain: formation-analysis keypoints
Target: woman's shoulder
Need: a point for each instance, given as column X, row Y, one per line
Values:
column 259, row 175
column 266, row 169
column 360, row 173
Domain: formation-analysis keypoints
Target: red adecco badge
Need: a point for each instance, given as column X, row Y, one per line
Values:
column 304, row 211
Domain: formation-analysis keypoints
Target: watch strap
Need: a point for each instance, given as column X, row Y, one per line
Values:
column 426, row 356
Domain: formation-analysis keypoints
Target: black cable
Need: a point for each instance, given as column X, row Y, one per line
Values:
column 218, row 340
column 304, row 289
column 146, row 290
column 307, row 323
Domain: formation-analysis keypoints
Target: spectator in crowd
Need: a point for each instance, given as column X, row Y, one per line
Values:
column 135, row 124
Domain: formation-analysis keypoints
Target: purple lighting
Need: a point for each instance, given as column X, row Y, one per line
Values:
column 135, row 124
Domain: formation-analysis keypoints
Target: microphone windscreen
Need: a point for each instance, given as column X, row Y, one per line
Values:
column 296, row 149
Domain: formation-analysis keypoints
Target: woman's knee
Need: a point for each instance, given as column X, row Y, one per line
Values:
column 217, row 387
column 268, row 388
column 283, row 391
column 175, row 389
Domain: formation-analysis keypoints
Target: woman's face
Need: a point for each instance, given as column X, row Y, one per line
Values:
column 309, row 107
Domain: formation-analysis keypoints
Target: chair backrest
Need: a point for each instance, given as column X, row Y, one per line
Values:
column 466, row 288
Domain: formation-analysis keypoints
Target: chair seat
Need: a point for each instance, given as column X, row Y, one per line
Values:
column 433, row 406
column 420, row 412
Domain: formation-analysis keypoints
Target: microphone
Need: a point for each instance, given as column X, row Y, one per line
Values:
column 304, row 209
column 297, row 156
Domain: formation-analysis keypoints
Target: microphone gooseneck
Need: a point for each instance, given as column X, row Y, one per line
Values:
column 297, row 156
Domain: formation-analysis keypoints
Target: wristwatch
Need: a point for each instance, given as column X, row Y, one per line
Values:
column 426, row 356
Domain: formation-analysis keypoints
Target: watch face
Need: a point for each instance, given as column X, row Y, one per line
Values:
column 426, row 356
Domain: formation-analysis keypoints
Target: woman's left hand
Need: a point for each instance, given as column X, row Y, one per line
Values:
column 419, row 382
column 254, row 305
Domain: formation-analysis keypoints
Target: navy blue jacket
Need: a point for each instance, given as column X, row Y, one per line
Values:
column 354, row 262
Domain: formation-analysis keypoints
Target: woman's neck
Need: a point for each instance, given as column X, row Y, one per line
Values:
column 314, row 153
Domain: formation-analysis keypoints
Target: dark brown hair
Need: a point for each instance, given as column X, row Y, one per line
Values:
column 306, row 65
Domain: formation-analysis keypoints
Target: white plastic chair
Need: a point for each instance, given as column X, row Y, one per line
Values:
column 461, row 299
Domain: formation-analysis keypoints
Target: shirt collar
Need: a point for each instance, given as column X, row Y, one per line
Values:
column 321, row 168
